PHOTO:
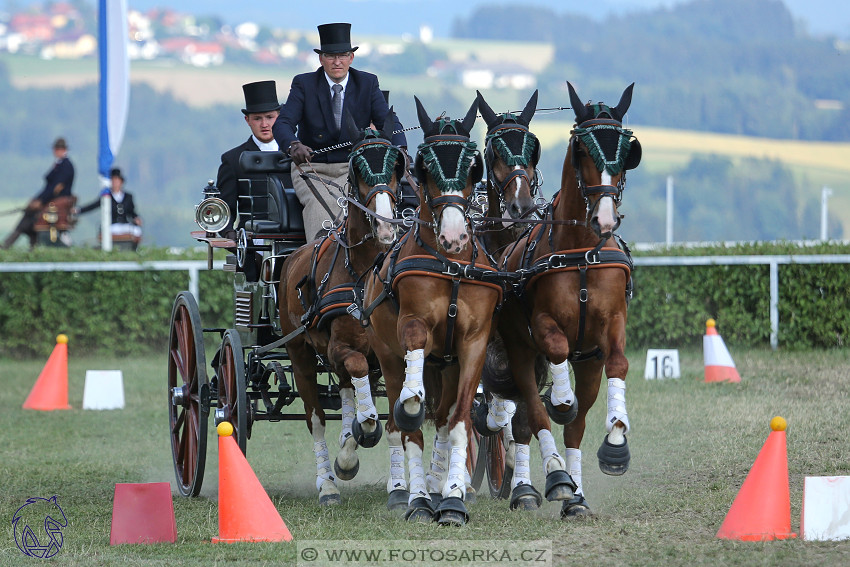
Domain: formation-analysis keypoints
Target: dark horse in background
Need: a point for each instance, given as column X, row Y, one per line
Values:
column 317, row 286
column 570, row 309
column 431, row 309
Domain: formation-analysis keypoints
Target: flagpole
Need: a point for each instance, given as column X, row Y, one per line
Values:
column 114, row 98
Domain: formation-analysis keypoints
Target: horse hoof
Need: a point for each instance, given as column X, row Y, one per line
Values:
column 470, row 496
column 451, row 512
column 479, row 420
column 345, row 474
column 367, row 440
column 576, row 508
column 329, row 500
column 397, row 500
column 420, row 511
column 556, row 415
column 613, row 459
column 404, row 420
column 525, row 497
column 559, row 486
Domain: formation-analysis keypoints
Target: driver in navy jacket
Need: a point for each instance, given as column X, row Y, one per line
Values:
column 307, row 123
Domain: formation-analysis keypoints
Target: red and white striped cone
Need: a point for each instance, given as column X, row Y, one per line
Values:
column 719, row 366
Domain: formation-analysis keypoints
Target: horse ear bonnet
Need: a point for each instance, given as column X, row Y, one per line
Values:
column 633, row 159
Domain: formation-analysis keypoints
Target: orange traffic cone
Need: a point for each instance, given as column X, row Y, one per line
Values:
column 51, row 388
column 719, row 366
column 245, row 511
column 762, row 509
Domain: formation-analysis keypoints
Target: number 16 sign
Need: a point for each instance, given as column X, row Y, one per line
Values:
column 661, row 364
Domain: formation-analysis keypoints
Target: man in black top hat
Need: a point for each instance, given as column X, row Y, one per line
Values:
column 57, row 183
column 261, row 110
column 310, row 121
column 126, row 222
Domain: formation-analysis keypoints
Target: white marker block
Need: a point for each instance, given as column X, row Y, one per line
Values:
column 661, row 363
column 826, row 508
column 104, row 390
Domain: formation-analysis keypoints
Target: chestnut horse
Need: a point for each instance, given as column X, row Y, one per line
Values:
column 573, row 299
column 430, row 309
column 317, row 286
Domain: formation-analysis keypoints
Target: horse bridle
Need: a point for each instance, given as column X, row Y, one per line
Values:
column 427, row 159
column 381, row 186
column 586, row 133
column 492, row 136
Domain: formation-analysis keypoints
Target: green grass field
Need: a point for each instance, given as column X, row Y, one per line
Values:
column 692, row 445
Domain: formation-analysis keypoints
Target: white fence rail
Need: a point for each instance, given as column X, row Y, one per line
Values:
column 193, row 267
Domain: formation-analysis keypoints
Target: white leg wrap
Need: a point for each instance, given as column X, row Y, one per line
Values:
column 396, row 480
column 413, row 386
column 347, row 395
column 365, row 405
column 562, row 392
column 510, row 446
column 551, row 459
column 417, row 474
column 500, row 413
column 456, row 481
column 616, row 404
column 522, row 470
column 323, row 464
column 439, row 461
column 573, row 460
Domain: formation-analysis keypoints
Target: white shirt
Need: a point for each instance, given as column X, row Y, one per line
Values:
column 331, row 84
column 265, row 147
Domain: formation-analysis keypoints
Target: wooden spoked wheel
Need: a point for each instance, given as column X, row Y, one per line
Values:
column 492, row 451
column 232, row 388
column 188, row 394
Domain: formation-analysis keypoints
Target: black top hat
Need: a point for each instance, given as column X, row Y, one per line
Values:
column 335, row 38
column 115, row 172
column 60, row 144
column 260, row 97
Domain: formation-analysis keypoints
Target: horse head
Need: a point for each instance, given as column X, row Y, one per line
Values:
column 600, row 151
column 511, row 155
column 375, row 169
column 448, row 165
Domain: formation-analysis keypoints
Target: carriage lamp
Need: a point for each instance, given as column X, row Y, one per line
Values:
column 212, row 214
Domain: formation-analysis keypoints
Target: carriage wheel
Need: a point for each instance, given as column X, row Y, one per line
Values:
column 188, row 394
column 492, row 451
column 232, row 387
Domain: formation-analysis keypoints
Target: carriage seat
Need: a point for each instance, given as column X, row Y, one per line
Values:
column 270, row 203
column 283, row 211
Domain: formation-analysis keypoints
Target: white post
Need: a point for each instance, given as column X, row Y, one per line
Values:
column 669, row 210
column 106, row 222
column 824, row 197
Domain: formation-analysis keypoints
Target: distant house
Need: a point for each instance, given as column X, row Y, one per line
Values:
column 488, row 76
column 32, row 27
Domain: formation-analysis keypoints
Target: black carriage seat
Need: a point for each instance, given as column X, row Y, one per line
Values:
column 268, row 204
column 409, row 200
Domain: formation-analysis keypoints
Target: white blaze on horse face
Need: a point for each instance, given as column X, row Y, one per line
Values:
column 384, row 208
column 518, row 181
column 605, row 212
column 452, row 234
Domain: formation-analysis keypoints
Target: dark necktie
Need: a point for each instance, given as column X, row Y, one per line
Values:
column 337, row 101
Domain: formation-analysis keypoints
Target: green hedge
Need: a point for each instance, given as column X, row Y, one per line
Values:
column 129, row 312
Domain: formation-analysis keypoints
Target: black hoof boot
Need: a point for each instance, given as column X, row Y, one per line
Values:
column 420, row 511
column 576, row 507
column 613, row 459
column 367, row 440
column 479, row 420
column 556, row 415
column 451, row 512
column 404, row 420
column 345, row 474
column 330, row 500
column 525, row 497
column 436, row 497
column 397, row 500
column 559, row 486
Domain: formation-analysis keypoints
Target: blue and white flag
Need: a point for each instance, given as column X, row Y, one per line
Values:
column 114, row 90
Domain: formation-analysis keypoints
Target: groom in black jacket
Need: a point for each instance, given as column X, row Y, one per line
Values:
column 310, row 121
